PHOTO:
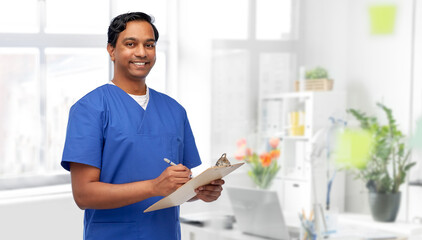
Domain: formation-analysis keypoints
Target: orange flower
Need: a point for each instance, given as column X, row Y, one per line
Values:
column 241, row 143
column 242, row 151
column 275, row 153
column 274, row 142
column 265, row 159
column 248, row 152
column 239, row 155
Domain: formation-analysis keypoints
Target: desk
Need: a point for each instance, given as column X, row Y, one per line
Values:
column 351, row 227
column 358, row 222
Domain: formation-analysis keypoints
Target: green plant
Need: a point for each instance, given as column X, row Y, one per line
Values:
column 316, row 73
column 389, row 160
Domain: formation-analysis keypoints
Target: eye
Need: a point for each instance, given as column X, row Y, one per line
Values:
column 130, row 44
column 150, row 45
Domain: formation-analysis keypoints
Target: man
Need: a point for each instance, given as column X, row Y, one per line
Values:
column 117, row 138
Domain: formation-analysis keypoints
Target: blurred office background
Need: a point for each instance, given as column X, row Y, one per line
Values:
column 217, row 58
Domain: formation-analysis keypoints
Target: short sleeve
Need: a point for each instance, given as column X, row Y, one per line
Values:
column 191, row 156
column 84, row 135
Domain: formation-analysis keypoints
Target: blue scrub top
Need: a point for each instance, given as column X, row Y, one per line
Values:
column 109, row 130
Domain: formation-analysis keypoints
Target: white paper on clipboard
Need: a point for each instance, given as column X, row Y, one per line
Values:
column 187, row 191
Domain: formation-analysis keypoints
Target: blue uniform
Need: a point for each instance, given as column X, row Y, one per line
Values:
column 109, row 130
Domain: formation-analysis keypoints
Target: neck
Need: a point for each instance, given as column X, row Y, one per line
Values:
column 131, row 87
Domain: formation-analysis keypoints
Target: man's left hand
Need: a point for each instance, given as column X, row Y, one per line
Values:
column 210, row 192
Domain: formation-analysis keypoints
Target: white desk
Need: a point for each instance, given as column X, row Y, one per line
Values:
column 351, row 227
column 366, row 225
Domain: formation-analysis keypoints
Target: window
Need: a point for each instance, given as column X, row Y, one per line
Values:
column 11, row 22
column 20, row 125
column 157, row 9
column 50, row 58
column 232, row 21
column 274, row 13
column 260, row 58
column 76, row 16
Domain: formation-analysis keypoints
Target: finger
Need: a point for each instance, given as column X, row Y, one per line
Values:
column 218, row 182
column 181, row 180
column 208, row 195
column 181, row 167
column 186, row 172
column 178, row 173
column 212, row 188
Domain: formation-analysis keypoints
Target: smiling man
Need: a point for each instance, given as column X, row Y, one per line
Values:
column 117, row 138
column 133, row 54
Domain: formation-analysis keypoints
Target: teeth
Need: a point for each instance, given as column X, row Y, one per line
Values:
column 139, row 63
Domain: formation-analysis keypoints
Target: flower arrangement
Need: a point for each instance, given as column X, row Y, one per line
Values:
column 263, row 167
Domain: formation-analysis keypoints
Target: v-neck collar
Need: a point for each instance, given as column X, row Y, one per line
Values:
column 137, row 109
column 133, row 100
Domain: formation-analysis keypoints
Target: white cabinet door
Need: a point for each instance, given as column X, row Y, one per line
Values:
column 297, row 196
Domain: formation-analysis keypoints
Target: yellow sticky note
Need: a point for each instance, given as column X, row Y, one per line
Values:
column 354, row 147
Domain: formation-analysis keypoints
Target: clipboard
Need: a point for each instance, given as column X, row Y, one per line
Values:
column 187, row 191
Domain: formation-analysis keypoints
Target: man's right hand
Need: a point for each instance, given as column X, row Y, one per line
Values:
column 171, row 179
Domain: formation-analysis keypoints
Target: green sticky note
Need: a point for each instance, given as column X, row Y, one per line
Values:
column 382, row 19
column 353, row 148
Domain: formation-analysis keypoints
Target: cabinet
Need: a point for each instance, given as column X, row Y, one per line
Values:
column 296, row 118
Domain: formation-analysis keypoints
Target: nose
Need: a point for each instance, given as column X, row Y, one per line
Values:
column 140, row 51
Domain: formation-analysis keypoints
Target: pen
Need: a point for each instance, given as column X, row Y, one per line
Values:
column 169, row 162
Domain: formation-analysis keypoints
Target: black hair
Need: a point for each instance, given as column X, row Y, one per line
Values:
column 118, row 25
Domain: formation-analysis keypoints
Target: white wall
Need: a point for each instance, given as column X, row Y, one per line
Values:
column 371, row 68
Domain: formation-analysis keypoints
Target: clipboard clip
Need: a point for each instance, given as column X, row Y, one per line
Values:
column 223, row 161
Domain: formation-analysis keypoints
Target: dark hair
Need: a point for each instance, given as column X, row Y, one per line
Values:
column 118, row 25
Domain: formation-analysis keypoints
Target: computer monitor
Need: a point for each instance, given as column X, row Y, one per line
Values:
column 258, row 212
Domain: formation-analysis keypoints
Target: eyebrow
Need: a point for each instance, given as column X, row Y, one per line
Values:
column 135, row 39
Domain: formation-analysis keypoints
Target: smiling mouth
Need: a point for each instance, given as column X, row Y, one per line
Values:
column 139, row 63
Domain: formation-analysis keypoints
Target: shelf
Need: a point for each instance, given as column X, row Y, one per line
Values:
column 295, row 138
column 287, row 95
column 282, row 136
column 300, row 95
column 303, row 179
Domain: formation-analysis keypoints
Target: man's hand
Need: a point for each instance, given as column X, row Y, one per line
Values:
column 210, row 192
column 171, row 179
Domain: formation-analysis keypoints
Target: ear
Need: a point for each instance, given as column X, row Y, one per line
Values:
column 110, row 50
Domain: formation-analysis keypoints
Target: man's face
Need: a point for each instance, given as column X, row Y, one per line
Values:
column 134, row 54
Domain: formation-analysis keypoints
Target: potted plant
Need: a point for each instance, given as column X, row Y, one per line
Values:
column 316, row 79
column 387, row 165
column 316, row 73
